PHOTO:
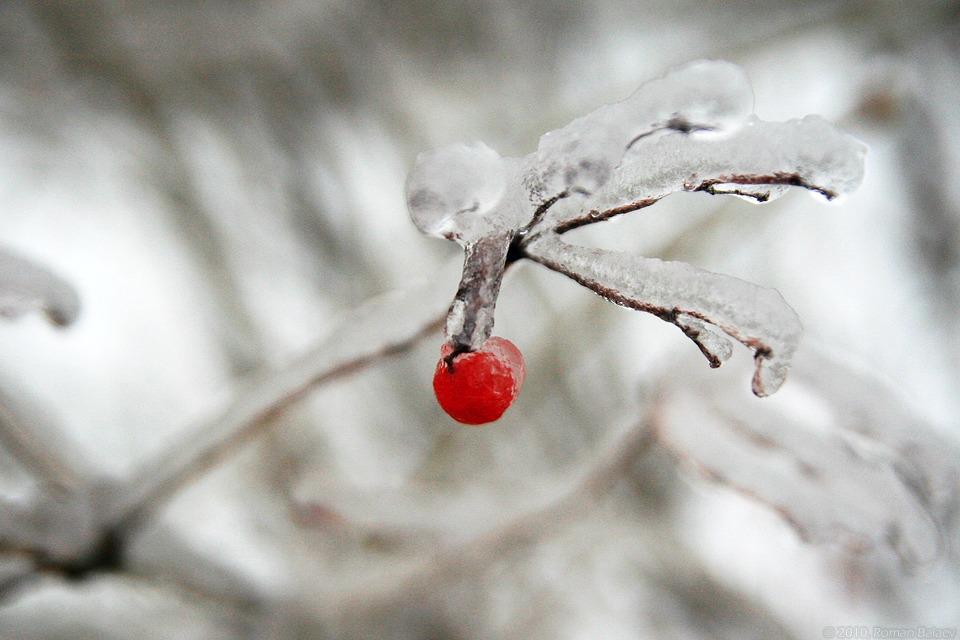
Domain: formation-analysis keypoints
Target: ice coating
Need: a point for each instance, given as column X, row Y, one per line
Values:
column 714, row 346
column 828, row 486
column 757, row 160
column 458, row 192
column 755, row 316
column 471, row 316
column 27, row 287
column 864, row 405
column 382, row 323
column 690, row 130
column 707, row 94
column 385, row 324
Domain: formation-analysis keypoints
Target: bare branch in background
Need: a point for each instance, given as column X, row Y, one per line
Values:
column 865, row 478
column 515, row 537
column 39, row 444
column 26, row 429
column 386, row 325
column 88, row 49
column 441, row 584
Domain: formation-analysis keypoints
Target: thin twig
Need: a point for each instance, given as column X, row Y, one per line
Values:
column 713, row 186
column 594, row 215
column 252, row 411
column 15, row 585
column 41, row 446
column 522, row 532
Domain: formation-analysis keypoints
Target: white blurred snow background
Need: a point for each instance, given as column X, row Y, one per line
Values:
column 223, row 180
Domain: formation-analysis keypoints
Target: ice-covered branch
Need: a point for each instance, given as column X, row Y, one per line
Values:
column 470, row 318
column 580, row 157
column 758, row 161
column 687, row 297
column 26, row 430
column 859, row 471
column 687, row 131
column 464, row 192
column 386, row 325
column 38, row 443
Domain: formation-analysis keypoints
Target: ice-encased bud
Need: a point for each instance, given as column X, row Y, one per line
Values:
column 454, row 192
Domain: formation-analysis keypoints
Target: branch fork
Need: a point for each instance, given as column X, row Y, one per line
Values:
column 689, row 131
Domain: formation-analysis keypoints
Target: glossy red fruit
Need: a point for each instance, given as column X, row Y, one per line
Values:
column 480, row 385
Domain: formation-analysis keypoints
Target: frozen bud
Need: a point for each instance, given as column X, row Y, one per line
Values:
column 458, row 192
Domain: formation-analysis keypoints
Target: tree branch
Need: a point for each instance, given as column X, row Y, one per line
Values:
column 687, row 297
column 470, row 318
column 387, row 325
column 40, row 445
column 526, row 530
column 595, row 215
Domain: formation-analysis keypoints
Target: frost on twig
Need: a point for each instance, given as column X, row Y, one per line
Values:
column 861, row 479
column 26, row 287
column 690, row 130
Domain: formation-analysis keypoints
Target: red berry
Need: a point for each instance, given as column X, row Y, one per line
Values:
column 481, row 384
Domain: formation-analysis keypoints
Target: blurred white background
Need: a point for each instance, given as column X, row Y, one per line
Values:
column 223, row 181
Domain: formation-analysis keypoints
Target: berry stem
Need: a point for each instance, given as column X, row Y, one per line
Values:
column 471, row 316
